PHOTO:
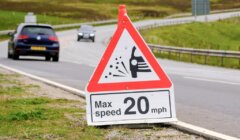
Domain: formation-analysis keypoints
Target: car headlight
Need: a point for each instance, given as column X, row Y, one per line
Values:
column 80, row 34
column 91, row 34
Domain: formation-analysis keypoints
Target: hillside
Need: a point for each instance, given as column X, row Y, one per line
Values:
column 12, row 12
column 219, row 35
column 107, row 9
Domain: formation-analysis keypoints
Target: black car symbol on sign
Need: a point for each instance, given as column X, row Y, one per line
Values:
column 137, row 64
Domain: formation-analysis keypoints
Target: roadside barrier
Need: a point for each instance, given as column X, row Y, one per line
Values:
column 165, row 23
column 202, row 52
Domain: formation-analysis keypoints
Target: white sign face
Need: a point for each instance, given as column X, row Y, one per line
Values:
column 130, row 107
column 30, row 18
column 128, row 85
column 127, row 63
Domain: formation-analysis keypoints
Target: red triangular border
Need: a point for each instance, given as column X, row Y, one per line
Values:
column 164, row 81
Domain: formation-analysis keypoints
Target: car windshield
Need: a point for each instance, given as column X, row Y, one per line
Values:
column 86, row 28
column 37, row 30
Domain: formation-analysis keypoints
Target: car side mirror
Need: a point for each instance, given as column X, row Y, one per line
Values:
column 10, row 34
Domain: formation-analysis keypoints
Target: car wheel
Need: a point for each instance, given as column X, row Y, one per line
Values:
column 78, row 39
column 9, row 55
column 15, row 56
column 55, row 58
column 47, row 58
column 93, row 40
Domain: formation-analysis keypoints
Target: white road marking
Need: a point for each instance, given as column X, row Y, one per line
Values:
column 211, row 80
column 201, row 131
column 46, row 81
column 79, row 63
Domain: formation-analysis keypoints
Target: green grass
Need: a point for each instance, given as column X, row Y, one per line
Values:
column 220, row 35
column 10, row 19
column 4, row 37
column 24, row 115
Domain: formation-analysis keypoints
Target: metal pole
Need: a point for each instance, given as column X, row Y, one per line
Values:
column 179, row 56
column 222, row 59
column 195, row 10
column 205, row 9
column 191, row 57
column 205, row 61
column 239, row 58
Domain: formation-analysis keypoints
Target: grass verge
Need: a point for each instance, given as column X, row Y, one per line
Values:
column 220, row 35
column 24, row 115
column 27, row 113
column 4, row 37
column 10, row 19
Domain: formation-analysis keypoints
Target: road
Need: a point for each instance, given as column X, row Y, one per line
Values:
column 205, row 96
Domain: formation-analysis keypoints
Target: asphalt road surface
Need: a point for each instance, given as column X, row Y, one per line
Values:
column 206, row 96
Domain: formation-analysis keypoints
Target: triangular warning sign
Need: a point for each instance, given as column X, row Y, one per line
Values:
column 128, row 63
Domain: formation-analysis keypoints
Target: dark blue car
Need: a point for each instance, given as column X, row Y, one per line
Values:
column 34, row 40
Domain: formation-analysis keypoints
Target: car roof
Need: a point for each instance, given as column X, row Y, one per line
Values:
column 22, row 25
column 34, row 24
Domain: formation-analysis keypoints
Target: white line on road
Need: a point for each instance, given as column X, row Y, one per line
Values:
column 211, row 80
column 46, row 81
column 201, row 131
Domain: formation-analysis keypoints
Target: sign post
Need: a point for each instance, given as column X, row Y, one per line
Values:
column 200, row 7
column 129, row 86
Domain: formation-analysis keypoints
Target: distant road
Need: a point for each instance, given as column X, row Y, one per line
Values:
column 205, row 96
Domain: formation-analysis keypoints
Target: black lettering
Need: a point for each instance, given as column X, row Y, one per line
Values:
column 102, row 114
column 98, row 104
column 127, row 111
column 159, row 110
column 155, row 110
column 108, row 113
column 143, row 98
column 104, row 104
column 109, row 104
column 97, row 114
column 164, row 109
column 118, row 112
column 113, row 112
